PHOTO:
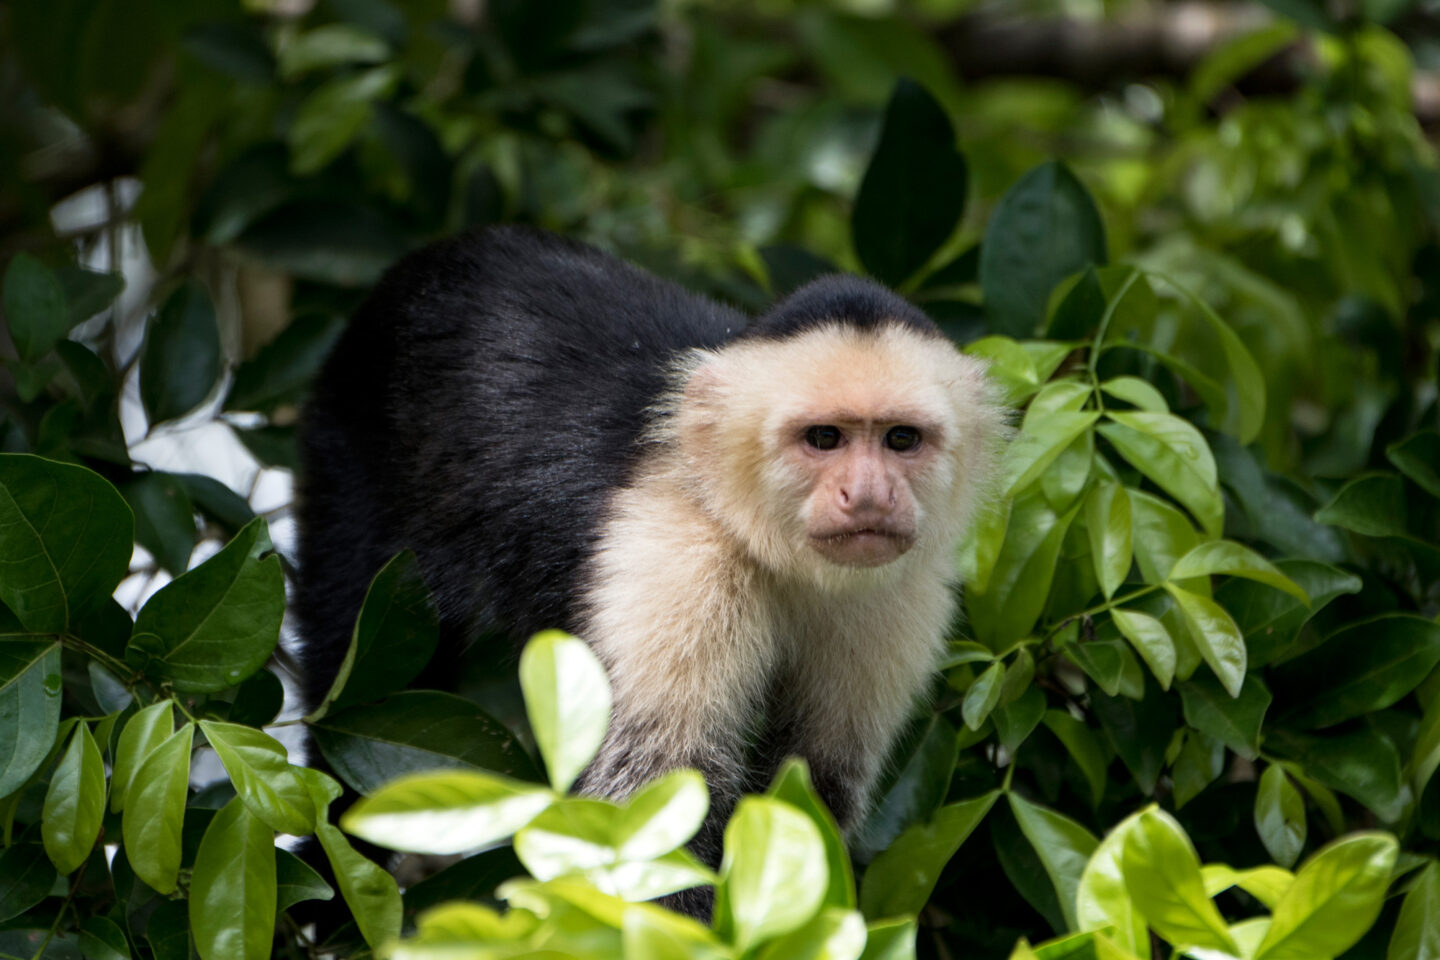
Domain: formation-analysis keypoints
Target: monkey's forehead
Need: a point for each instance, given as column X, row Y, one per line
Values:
column 873, row 373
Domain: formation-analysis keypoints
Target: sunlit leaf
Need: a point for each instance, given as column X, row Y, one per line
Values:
column 155, row 811
column 232, row 889
column 773, row 876
column 1280, row 816
column 445, row 812
column 74, row 802
column 1335, row 898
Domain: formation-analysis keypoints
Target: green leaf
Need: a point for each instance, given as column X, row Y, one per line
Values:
column 1150, row 639
column 395, row 635
column 233, row 888
column 164, row 518
column 1335, row 898
column 1063, row 845
column 1020, row 580
column 1101, row 899
column 102, row 939
column 88, row 292
column 29, row 708
column 371, row 894
column 572, row 835
column 1215, row 633
column 1417, row 457
column 296, row 881
column 155, row 811
column 772, row 877
column 1162, row 876
column 284, row 367
column 1139, row 731
column 26, row 878
column 66, row 538
column 143, row 732
column 1162, row 535
column 415, row 731
column 1364, row 667
column 832, row 934
column 1231, row 559
column 792, row 785
column 1361, row 763
column 1266, row 884
column 651, row 933
column 901, row 879
column 568, row 700
column 214, row 626
column 891, row 940
column 661, row 816
column 1138, row 392
column 330, row 45
column 1172, row 454
column 445, row 812
column 180, row 361
column 35, row 307
column 923, row 765
column 1271, row 620
column 1042, row 438
column 74, row 802
column 1233, row 720
column 913, row 193
column 1016, row 720
column 983, row 694
column 1107, row 522
column 1084, row 748
column 333, row 115
column 1199, row 764
column 1372, row 505
column 1417, row 930
column 1045, row 228
column 1280, row 816
column 1244, row 409
column 258, row 700
column 259, row 767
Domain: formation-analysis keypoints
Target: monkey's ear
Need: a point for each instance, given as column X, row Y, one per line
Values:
column 701, row 405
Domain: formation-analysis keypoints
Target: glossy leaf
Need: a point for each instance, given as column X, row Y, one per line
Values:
column 445, row 812
column 924, row 763
column 143, row 732
column 1335, row 898
column 1366, row 666
column 1138, row 392
column 891, row 940
column 416, row 731
column 1231, row 559
column 1016, row 720
column 572, row 835
column 1101, row 899
column 568, row 700
column 164, row 518
column 1417, row 930
column 102, row 939
column 371, row 894
column 1020, row 581
column 773, row 875
column 833, row 934
column 216, row 625
column 29, row 708
column 1280, row 816
column 1107, row 522
column 394, row 637
column 296, row 881
column 1271, row 620
column 1266, row 884
column 155, row 811
column 66, row 537
column 1215, row 632
column 1045, row 228
column 233, row 888
column 180, row 361
column 792, row 785
column 661, row 816
column 1172, row 454
column 1199, row 764
column 1418, row 457
column 983, row 694
column 1234, row 721
column 26, row 878
column 74, row 802
column 1042, row 438
column 901, row 879
column 1372, row 505
column 1084, row 748
column 913, row 193
column 1151, row 640
column 1162, row 535
column 1063, row 845
column 259, row 767
column 35, row 308
column 1162, row 876
column 1360, row 762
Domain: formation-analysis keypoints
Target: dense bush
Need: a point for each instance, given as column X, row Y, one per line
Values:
column 1195, row 705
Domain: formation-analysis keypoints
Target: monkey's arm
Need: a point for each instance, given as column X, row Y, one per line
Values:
column 672, row 613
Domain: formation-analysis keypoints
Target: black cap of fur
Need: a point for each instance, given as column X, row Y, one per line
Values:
column 839, row 299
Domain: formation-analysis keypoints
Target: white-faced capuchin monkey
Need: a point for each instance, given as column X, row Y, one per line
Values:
column 752, row 524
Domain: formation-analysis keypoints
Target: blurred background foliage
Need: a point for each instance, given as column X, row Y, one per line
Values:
column 195, row 194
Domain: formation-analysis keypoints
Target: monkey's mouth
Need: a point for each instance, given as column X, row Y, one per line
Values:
column 863, row 546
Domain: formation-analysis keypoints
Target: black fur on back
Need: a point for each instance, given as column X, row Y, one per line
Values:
column 480, row 408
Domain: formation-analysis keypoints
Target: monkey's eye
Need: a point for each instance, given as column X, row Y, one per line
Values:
column 823, row 438
column 901, row 439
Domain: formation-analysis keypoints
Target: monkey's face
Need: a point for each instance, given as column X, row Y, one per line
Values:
column 860, row 507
